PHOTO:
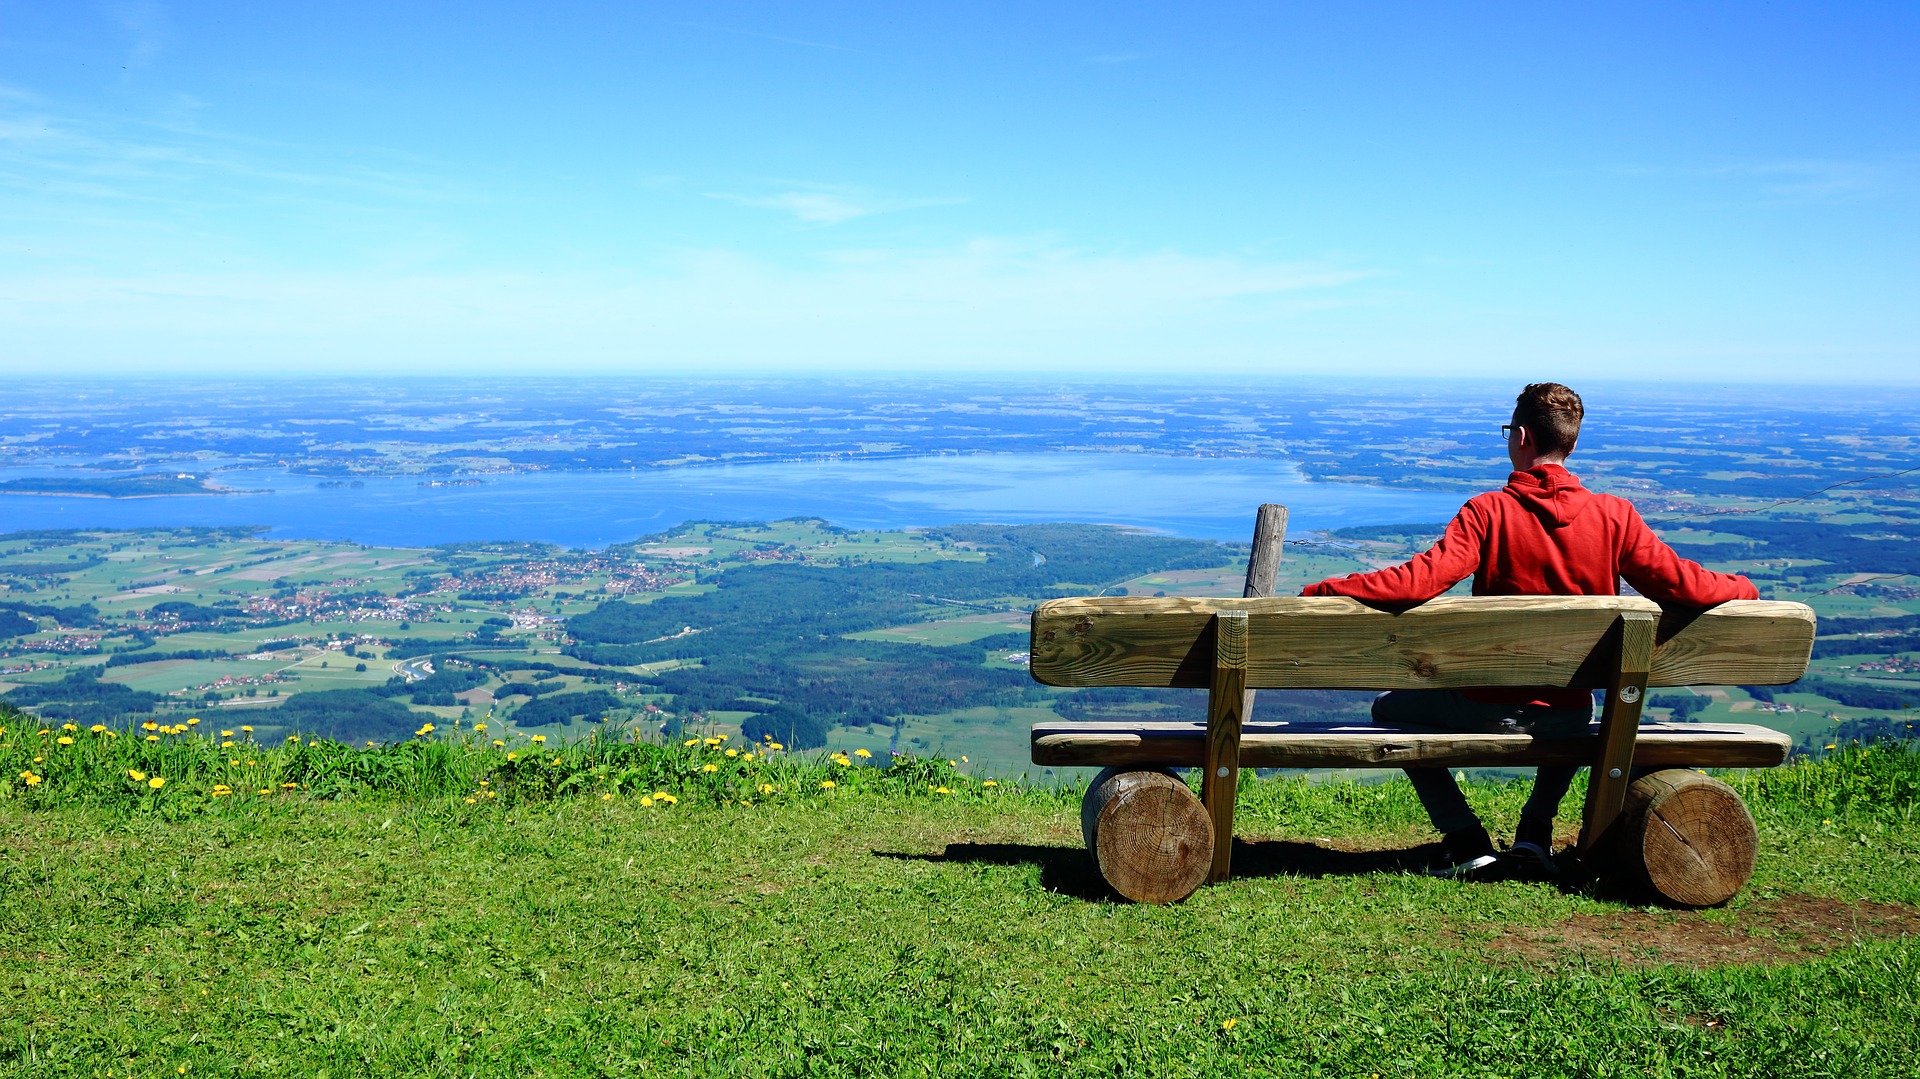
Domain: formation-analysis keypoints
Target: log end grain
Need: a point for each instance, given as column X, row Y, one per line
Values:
column 1149, row 834
column 1687, row 838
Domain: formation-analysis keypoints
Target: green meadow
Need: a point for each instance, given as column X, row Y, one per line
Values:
column 615, row 906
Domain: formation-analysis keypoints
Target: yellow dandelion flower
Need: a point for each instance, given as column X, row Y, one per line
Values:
column 29, row 778
column 941, row 790
column 498, row 742
column 493, row 794
column 606, row 797
column 39, row 760
column 991, row 783
column 484, row 782
column 963, row 760
column 69, row 726
column 156, row 782
column 715, row 741
column 647, row 801
column 149, row 725
column 98, row 728
column 767, row 788
column 293, row 738
column 863, row 753
column 246, row 730
column 481, row 727
column 953, row 764
column 662, row 796
column 471, row 801
column 1228, row 1024
column 194, row 722
column 827, row 784
column 235, row 762
column 691, row 742
column 136, row 774
column 709, row 768
column 226, row 734
column 733, row 753
column 264, row 790
column 228, row 744
column 153, row 738
column 513, row 756
column 288, row 786
column 65, row 739
column 370, row 743
column 538, row 739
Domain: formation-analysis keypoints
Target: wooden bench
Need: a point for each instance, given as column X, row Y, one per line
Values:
column 1681, row 833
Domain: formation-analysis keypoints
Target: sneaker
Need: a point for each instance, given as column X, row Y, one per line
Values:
column 1463, row 852
column 1532, row 859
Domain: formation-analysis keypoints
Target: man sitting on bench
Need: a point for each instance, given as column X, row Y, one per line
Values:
column 1543, row 534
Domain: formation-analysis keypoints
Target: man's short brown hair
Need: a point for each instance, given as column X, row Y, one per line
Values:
column 1553, row 413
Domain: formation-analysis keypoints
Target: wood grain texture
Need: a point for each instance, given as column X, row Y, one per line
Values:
column 1263, row 561
column 1334, row 745
column 1263, row 567
column 1687, row 838
column 1335, row 643
column 1224, row 702
column 1149, row 835
column 1619, row 723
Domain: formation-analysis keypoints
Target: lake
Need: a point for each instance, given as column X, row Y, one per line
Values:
column 1183, row 496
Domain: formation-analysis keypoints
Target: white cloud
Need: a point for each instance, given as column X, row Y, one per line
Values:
column 995, row 303
column 829, row 206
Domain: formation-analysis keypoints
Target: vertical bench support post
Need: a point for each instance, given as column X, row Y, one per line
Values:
column 1226, row 703
column 1619, row 725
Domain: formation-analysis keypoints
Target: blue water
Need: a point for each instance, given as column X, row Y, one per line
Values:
column 1203, row 499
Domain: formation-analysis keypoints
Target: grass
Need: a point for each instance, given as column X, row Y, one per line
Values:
column 386, row 916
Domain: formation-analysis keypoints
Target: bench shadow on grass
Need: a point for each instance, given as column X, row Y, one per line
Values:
column 1070, row 870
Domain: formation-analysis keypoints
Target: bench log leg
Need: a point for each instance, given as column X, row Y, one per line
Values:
column 1149, row 836
column 1619, row 724
column 1686, row 838
column 1226, row 702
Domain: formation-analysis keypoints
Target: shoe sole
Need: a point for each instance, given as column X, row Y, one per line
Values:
column 1461, row 869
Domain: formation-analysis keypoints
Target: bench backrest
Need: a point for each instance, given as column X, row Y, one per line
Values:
column 1336, row 643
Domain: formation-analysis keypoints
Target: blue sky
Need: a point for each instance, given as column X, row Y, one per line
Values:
column 1638, row 191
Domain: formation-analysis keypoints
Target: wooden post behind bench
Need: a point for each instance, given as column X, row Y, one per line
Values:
column 1619, row 723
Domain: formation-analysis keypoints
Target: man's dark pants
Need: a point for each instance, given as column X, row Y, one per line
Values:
column 1449, row 709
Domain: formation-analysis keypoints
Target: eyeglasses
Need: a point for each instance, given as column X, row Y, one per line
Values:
column 1506, row 432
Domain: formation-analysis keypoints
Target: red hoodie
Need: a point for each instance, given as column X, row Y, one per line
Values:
column 1543, row 534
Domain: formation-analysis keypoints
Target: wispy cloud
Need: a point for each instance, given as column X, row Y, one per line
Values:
column 990, row 302
column 831, row 206
column 783, row 40
column 147, row 28
column 1792, row 179
column 1111, row 58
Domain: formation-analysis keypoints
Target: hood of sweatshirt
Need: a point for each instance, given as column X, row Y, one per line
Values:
column 1551, row 492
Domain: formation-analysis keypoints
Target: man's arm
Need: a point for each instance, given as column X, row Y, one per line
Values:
column 1426, row 575
column 1658, row 573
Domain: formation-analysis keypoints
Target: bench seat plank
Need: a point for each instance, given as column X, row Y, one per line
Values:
column 1337, row 643
column 1363, row 745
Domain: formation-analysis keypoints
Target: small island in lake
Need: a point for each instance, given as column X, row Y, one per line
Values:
column 149, row 485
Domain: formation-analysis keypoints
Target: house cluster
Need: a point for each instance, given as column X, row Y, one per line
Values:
column 529, row 578
column 321, row 605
